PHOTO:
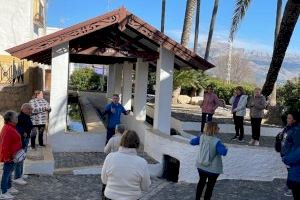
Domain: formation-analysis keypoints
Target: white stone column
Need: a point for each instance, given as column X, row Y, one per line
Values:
column 127, row 85
column 59, row 88
column 140, row 96
column 110, row 81
column 163, row 92
column 118, row 79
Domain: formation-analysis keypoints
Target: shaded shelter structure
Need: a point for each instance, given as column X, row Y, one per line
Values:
column 121, row 40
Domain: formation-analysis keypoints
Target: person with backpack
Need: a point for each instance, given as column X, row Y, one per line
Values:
column 257, row 104
column 114, row 111
column 290, row 152
column 239, row 102
column 209, row 159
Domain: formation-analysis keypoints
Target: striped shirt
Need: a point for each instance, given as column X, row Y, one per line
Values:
column 39, row 111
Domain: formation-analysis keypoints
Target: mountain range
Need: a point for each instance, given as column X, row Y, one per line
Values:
column 259, row 61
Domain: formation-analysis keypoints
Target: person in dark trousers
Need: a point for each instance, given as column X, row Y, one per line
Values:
column 290, row 153
column 39, row 117
column 257, row 104
column 10, row 144
column 114, row 111
column 239, row 103
column 209, row 160
column 24, row 127
column 209, row 105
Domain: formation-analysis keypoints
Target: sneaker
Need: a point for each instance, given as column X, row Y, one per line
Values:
column 234, row 138
column 13, row 190
column 288, row 193
column 6, row 196
column 256, row 143
column 20, row 181
column 252, row 142
column 240, row 140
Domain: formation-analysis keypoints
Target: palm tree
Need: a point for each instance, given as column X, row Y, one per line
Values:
column 211, row 29
column 185, row 37
column 241, row 7
column 277, row 26
column 197, row 26
column 287, row 26
column 288, row 23
column 188, row 20
column 163, row 14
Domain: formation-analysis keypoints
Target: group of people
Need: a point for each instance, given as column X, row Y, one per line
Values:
column 15, row 135
column 239, row 101
column 209, row 161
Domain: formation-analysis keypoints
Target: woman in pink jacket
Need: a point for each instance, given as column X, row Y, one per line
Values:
column 209, row 105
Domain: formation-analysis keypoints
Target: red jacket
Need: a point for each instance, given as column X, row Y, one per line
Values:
column 10, row 142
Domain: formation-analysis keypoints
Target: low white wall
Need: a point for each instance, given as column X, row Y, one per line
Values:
column 227, row 128
column 139, row 127
column 78, row 142
column 242, row 162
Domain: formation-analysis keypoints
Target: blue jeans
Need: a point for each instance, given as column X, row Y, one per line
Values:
column 203, row 121
column 19, row 166
column 110, row 133
column 8, row 168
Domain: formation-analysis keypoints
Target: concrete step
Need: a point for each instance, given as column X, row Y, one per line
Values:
column 39, row 161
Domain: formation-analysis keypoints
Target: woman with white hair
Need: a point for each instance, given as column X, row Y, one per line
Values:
column 10, row 144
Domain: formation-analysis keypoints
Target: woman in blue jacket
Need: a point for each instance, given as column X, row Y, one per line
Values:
column 209, row 160
column 291, row 154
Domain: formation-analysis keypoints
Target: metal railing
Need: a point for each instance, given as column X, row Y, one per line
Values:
column 11, row 72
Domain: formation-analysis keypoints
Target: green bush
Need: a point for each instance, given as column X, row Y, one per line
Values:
column 289, row 95
column 225, row 91
column 85, row 79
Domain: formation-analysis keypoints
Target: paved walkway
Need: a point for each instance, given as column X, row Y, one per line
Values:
column 88, row 187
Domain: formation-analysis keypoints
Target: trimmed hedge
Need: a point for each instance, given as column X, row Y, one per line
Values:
column 225, row 91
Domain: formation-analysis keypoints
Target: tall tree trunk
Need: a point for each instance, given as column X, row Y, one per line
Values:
column 273, row 100
column 288, row 23
column 163, row 16
column 197, row 26
column 188, row 20
column 211, row 29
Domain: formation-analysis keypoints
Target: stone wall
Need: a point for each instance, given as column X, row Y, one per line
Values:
column 12, row 97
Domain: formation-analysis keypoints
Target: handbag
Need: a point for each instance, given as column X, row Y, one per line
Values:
column 19, row 156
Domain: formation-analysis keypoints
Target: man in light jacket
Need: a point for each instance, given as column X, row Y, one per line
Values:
column 239, row 103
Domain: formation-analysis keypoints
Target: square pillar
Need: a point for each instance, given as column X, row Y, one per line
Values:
column 118, row 78
column 59, row 88
column 140, row 96
column 163, row 92
column 127, row 85
column 111, row 81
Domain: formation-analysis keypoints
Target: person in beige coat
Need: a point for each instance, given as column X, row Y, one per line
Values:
column 257, row 104
column 114, row 142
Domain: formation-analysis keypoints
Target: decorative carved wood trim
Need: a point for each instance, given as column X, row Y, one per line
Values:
column 36, row 48
column 150, row 32
column 68, row 34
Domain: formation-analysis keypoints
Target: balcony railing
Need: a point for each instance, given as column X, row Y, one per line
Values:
column 11, row 72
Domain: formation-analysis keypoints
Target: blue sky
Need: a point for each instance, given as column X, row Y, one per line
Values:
column 255, row 33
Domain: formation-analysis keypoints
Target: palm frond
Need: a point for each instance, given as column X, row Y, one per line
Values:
column 241, row 7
